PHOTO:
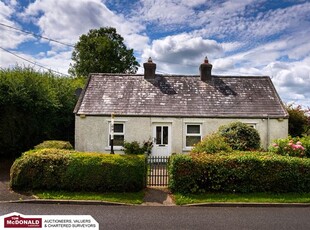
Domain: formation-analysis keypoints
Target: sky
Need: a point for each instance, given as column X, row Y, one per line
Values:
column 239, row 37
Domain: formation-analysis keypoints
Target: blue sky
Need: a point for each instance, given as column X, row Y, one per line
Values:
column 240, row 37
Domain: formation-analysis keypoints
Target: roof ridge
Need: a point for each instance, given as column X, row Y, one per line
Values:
column 179, row 75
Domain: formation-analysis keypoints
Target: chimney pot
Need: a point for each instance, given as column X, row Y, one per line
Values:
column 206, row 60
column 149, row 69
column 205, row 70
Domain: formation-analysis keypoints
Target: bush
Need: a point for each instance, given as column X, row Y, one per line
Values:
column 135, row 148
column 297, row 147
column 35, row 106
column 299, row 121
column 54, row 145
column 56, row 169
column 182, row 173
column 240, row 136
column 305, row 141
column 39, row 169
column 240, row 172
column 213, row 143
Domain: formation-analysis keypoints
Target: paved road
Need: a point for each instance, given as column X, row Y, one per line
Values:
column 144, row 217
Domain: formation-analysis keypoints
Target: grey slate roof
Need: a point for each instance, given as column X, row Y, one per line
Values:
column 180, row 96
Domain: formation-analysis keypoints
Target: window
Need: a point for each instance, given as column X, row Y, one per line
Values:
column 119, row 133
column 193, row 134
column 253, row 125
column 162, row 135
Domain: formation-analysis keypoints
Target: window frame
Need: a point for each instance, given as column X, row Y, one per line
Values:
column 251, row 124
column 186, row 134
column 117, row 147
column 163, row 141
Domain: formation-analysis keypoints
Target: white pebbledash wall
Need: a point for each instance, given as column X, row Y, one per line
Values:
column 91, row 132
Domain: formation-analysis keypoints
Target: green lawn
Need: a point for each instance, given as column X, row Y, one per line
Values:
column 137, row 198
column 250, row 197
column 128, row 198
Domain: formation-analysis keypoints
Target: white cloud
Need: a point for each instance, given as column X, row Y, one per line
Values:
column 73, row 18
column 249, row 23
column 57, row 61
column 181, row 53
column 223, row 65
column 7, row 60
column 165, row 12
column 231, row 46
column 279, row 20
column 65, row 21
column 292, row 80
column 6, row 11
column 9, row 38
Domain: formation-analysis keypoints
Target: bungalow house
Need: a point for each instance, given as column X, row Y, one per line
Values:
column 174, row 111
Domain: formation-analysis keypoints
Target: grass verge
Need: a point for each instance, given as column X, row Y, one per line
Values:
column 128, row 198
column 250, row 197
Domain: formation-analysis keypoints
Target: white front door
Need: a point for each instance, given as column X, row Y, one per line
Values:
column 161, row 139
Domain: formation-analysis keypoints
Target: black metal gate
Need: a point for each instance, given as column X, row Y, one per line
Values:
column 157, row 170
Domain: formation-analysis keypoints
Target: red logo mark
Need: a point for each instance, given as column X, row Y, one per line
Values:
column 20, row 222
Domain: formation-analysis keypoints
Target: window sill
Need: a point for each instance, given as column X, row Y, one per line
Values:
column 187, row 149
column 117, row 148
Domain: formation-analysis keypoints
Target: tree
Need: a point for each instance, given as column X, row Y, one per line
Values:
column 35, row 106
column 299, row 121
column 102, row 51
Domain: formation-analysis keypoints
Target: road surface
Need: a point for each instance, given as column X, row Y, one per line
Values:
column 145, row 217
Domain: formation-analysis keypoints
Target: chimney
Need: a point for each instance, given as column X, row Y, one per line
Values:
column 205, row 70
column 149, row 69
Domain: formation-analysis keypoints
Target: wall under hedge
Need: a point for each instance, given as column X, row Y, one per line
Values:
column 239, row 172
column 57, row 169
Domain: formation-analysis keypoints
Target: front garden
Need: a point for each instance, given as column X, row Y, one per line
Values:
column 225, row 166
column 68, row 170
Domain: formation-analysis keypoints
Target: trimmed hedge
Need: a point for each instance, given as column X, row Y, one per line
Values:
column 54, row 144
column 240, row 172
column 56, row 169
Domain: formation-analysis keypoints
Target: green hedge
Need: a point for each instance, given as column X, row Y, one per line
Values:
column 54, row 144
column 57, row 169
column 240, row 172
column 213, row 143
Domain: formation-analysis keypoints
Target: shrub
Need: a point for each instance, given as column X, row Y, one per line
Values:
column 54, row 145
column 181, row 173
column 56, row 169
column 240, row 136
column 35, row 106
column 135, row 148
column 39, row 169
column 297, row 147
column 305, row 141
column 299, row 121
column 213, row 143
column 240, row 172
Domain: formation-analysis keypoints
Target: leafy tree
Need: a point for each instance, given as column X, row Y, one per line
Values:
column 299, row 121
column 34, row 106
column 102, row 51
